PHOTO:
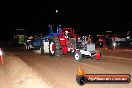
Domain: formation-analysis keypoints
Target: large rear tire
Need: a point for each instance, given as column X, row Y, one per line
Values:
column 55, row 48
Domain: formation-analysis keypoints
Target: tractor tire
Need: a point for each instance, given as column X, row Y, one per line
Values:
column 55, row 48
column 81, row 80
column 78, row 56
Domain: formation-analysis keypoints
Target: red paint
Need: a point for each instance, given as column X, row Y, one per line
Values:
column 65, row 49
column 63, row 40
column 98, row 55
column 53, row 47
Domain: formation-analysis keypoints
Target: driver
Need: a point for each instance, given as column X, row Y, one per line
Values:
column 66, row 34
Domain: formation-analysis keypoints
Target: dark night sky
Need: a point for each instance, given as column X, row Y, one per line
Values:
column 90, row 15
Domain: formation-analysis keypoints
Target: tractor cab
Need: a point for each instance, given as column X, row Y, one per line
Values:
column 68, row 33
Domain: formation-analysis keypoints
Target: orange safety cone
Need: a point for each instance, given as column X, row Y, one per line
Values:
column 1, row 56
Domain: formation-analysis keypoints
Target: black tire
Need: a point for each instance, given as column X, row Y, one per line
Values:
column 78, row 56
column 81, row 80
column 57, row 47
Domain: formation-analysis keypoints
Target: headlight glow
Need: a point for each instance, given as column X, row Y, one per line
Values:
column 114, row 44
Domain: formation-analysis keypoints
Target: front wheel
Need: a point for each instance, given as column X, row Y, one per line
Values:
column 55, row 48
column 78, row 56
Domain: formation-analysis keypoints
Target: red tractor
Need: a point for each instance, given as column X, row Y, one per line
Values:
column 68, row 42
column 62, row 44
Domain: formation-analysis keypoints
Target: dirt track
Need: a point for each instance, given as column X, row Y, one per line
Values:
column 61, row 72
